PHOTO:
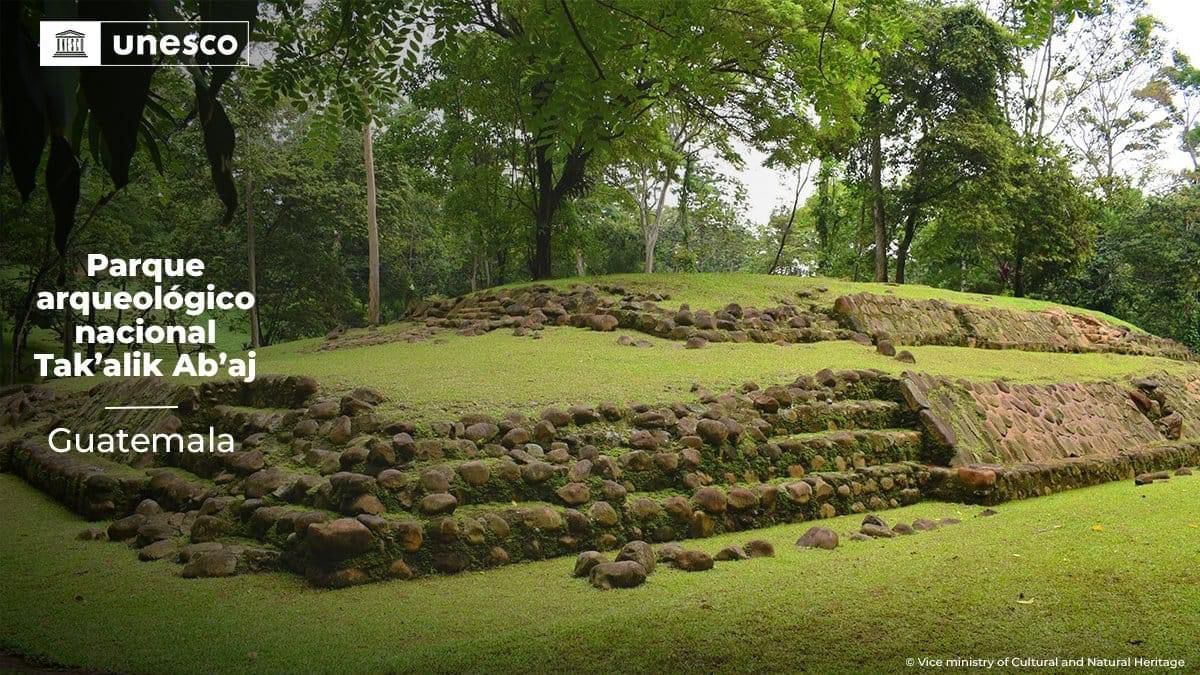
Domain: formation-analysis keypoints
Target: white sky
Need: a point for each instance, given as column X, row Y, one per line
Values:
column 766, row 188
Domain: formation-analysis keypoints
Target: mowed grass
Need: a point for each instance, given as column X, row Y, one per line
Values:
column 713, row 290
column 498, row 371
column 1110, row 571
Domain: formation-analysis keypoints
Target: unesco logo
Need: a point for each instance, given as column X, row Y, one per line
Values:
column 143, row 43
column 69, row 44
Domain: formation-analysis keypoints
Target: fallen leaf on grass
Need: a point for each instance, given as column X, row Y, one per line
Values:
column 1097, row 528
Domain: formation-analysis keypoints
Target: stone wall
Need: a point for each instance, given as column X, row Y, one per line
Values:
column 936, row 322
column 94, row 489
column 1001, row 423
column 353, row 550
column 910, row 322
column 529, row 309
column 1174, row 394
column 994, row 484
column 335, row 488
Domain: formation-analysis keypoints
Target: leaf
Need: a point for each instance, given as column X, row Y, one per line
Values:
column 227, row 10
column 1097, row 528
column 20, row 90
column 219, row 140
column 152, row 149
column 62, row 187
column 116, row 95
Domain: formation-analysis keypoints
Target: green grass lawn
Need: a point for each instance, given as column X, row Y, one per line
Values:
column 717, row 289
column 498, row 371
column 1037, row 580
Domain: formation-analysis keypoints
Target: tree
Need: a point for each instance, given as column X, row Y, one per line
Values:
column 1050, row 229
column 1184, row 79
column 1116, row 126
column 786, row 229
column 581, row 76
column 936, row 127
column 373, row 315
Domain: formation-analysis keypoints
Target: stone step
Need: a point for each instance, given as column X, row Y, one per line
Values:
column 355, row 549
column 842, row 449
column 836, row 415
column 566, row 479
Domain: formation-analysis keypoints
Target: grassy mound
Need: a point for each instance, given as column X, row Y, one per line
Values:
column 1026, row 582
column 497, row 371
column 716, row 289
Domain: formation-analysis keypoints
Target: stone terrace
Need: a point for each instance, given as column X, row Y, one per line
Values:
column 327, row 487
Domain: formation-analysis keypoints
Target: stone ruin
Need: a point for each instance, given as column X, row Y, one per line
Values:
column 808, row 317
column 936, row 322
column 329, row 487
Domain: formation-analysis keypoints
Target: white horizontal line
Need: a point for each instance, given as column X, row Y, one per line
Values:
column 140, row 407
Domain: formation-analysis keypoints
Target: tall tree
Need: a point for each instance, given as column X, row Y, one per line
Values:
column 251, row 262
column 373, row 314
column 1117, row 126
column 938, row 120
column 589, row 74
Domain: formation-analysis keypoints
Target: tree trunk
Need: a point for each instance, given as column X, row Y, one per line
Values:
column 858, row 238
column 252, row 266
column 877, row 214
column 541, row 241
column 20, row 331
column 580, row 263
column 787, row 229
column 548, row 198
column 824, row 236
column 910, row 228
column 68, row 333
column 656, row 227
column 372, row 230
column 1019, row 276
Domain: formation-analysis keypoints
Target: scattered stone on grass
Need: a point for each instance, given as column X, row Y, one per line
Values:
column 1183, row 471
column 987, row 512
column 877, row 531
column 667, row 553
column 693, row 561
column 760, row 548
column 1147, row 478
column 222, row 563
column 586, row 561
column 620, row 574
column 732, row 552
column 92, row 534
column 872, row 519
column 818, row 537
column 158, row 550
column 924, row 524
column 638, row 552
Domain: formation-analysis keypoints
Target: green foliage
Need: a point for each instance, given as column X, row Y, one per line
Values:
column 569, row 80
column 1144, row 264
